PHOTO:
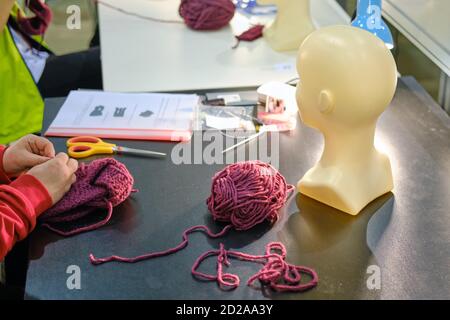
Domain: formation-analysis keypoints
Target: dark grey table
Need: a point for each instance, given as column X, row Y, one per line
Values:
column 405, row 233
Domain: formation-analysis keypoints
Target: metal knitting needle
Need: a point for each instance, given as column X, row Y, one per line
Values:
column 138, row 152
column 256, row 135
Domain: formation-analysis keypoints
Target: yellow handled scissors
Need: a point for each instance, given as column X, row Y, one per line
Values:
column 86, row 146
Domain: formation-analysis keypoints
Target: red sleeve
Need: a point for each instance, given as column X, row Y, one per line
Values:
column 21, row 202
column 3, row 176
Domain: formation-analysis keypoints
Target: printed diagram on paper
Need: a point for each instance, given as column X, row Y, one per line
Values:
column 104, row 110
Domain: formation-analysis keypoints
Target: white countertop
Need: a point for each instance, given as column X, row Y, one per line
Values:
column 142, row 55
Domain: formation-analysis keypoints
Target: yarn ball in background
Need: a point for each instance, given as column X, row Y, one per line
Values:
column 100, row 186
column 207, row 14
column 247, row 193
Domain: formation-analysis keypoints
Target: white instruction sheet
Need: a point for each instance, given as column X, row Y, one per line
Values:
column 104, row 110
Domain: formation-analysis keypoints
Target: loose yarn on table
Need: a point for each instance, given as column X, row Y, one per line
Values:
column 251, row 34
column 279, row 275
column 244, row 195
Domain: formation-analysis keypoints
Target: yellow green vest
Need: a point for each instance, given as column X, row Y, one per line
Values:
column 21, row 104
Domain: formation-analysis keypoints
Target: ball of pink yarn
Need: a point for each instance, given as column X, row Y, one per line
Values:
column 247, row 193
column 207, row 14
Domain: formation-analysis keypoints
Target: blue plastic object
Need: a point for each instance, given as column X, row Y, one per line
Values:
column 253, row 8
column 369, row 18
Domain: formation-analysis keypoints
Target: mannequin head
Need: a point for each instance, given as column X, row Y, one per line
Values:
column 291, row 25
column 348, row 78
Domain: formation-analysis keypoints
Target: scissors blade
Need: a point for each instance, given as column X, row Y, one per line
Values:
column 139, row 152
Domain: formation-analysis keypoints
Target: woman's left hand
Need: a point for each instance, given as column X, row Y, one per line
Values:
column 25, row 153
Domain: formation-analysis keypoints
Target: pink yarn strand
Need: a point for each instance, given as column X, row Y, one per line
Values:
column 182, row 245
column 86, row 228
column 134, row 14
column 276, row 273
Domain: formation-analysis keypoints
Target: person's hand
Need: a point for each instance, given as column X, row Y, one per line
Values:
column 26, row 153
column 57, row 175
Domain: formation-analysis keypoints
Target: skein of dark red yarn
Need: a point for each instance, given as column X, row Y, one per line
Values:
column 207, row 14
column 247, row 193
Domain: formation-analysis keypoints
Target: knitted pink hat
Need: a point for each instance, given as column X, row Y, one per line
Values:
column 100, row 186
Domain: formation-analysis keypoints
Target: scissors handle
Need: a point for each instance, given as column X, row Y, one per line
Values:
column 84, row 151
column 83, row 140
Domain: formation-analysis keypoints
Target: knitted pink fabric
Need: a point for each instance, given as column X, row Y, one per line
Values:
column 100, row 186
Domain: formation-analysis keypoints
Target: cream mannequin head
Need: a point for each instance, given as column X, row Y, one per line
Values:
column 291, row 25
column 348, row 78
